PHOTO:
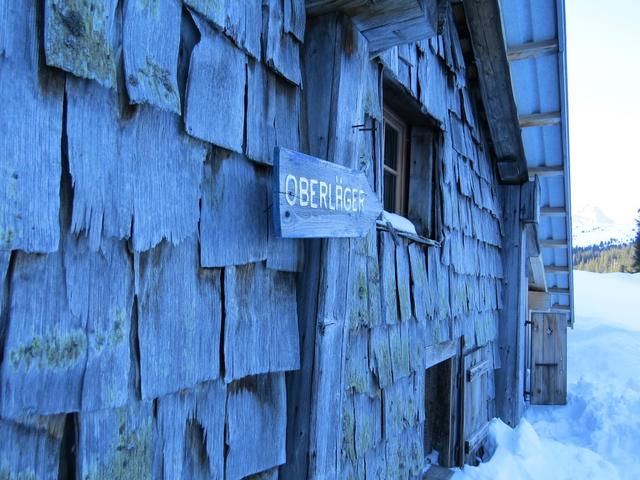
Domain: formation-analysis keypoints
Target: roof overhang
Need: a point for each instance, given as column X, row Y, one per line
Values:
column 385, row 23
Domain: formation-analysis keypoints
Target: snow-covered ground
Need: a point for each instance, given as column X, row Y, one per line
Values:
column 597, row 434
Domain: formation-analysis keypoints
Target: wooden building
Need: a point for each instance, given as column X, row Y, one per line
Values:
column 158, row 322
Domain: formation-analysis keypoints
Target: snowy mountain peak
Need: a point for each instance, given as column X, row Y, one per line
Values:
column 592, row 226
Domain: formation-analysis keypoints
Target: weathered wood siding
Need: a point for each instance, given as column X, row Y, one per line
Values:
column 152, row 325
column 148, row 314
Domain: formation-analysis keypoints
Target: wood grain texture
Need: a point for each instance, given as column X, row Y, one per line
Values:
column 313, row 198
column 294, row 20
column 261, row 113
column 284, row 254
column 99, row 290
column 256, row 425
column 138, row 177
column 179, row 319
column 233, row 212
column 45, row 350
column 549, row 359
column 30, row 135
column 261, row 324
column 28, row 453
column 215, row 109
column 116, row 443
column 82, row 37
column 403, row 282
column 388, row 288
column 151, row 40
column 191, row 431
column 282, row 50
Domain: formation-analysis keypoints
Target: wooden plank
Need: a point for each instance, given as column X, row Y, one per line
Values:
column 215, row 12
column 390, row 312
column 559, row 291
column 31, row 136
column 179, row 311
column 561, row 308
column 368, row 423
column 191, row 431
column 422, row 185
column 151, row 39
column 530, row 202
column 99, row 289
column 282, row 50
column 295, row 16
column 509, row 382
column 284, row 254
column 403, row 282
column 315, row 198
column 546, row 171
column 256, row 425
column 261, row 324
column 233, row 211
column 542, row 119
column 116, row 443
column 81, row 38
column 5, row 257
column 381, row 356
column 45, row 348
column 419, row 283
column 288, row 110
column 539, row 301
column 215, row 108
column 242, row 24
column 261, row 113
column 553, row 211
column 528, row 50
column 556, row 269
column 400, row 407
column 549, row 358
column 487, row 37
column 142, row 174
column 38, row 454
column 440, row 352
column 550, row 243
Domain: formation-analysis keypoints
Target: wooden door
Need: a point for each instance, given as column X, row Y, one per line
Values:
column 548, row 358
column 477, row 400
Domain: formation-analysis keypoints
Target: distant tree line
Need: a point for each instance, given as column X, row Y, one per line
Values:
column 606, row 257
column 611, row 256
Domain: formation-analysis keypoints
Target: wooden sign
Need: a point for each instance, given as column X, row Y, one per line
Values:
column 313, row 198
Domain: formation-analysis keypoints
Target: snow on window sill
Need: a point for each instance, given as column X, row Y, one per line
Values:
column 403, row 227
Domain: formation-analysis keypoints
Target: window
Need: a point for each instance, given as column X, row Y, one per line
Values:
column 412, row 145
column 395, row 157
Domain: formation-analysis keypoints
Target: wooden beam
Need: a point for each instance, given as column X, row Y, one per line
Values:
column 554, row 243
column 494, row 74
column 539, row 279
column 543, row 119
column 561, row 308
column 556, row 269
column 532, row 49
column 560, row 291
column 546, row 171
column 539, row 301
column 553, row 212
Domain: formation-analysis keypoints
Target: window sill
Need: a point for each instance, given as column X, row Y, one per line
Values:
column 402, row 228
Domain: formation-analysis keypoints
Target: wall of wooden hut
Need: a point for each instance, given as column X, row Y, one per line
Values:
column 152, row 326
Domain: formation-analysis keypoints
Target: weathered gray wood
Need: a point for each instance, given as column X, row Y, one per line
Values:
column 234, row 212
column 83, row 37
column 99, row 290
column 405, row 454
column 5, row 257
column 215, row 109
column 151, row 40
column 45, row 348
column 239, row 20
column 549, row 359
column 261, row 113
column 368, row 423
column 400, row 407
column 403, row 282
column 138, row 177
column 27, row 453
column 509, row 378
column 357, row 373
column 381, row 356
column 399, row 347
column 288, row 107
column 284, row 254
column 116, row 443
column 316, row 198
column 295, row 16
column 256, row 425
column 388, row 279
column 422, row 185
column 282, row 50
column 179, row 319
column 30, row 134
column 494, row 74
column 530, row 201
column 261, row 325
column 189, row 423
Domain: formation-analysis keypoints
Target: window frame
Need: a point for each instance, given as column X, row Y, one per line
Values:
column 402, row 160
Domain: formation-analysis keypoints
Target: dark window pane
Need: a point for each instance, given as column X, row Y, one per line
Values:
column 390, row 146
column 389, row 192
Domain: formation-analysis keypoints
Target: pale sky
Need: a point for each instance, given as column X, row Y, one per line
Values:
column 603, row 56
